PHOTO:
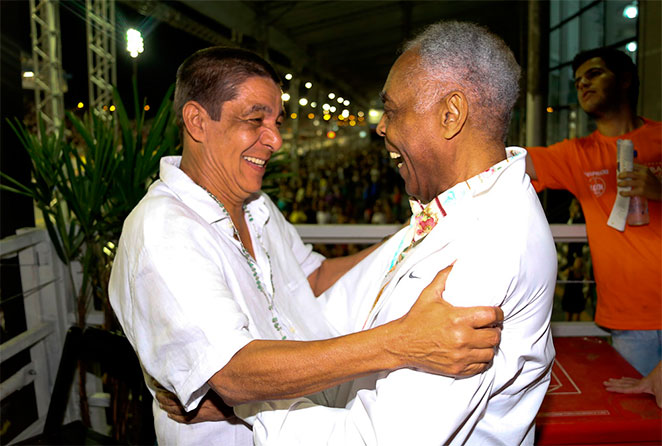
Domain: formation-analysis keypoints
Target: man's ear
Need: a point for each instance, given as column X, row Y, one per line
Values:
column 195, row 118
column 626, row 81
column 453, row 114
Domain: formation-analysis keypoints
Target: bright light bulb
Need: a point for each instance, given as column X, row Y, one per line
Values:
column 332, row 109
column 288, row 76
column 308, row 85
column 134, row 42
column 361, row 114
column 346, row 102
column 345, row 113
column 80, row 105
column 340, row 99
column 285, row 97
column 332, row 95
column 631, row 11
column 303, row 102
column 631, row 47
column 313, row 104
column 28, row 74
column 325, row 107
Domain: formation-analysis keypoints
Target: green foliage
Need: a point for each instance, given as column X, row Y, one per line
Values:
column 86, row 191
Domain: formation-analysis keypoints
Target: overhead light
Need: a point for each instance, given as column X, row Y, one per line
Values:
column 325, row 106
column 285, row 97
column 631, row 11
column 340, row 99
column 332, row 109
column 345, row 113
column 28, row 74
column 134, row 42
column 631, row 47
column 308, row 85
column 303, row 102
column 313, row 104
column 288, row 76
column 332, row 95
column 346, row 102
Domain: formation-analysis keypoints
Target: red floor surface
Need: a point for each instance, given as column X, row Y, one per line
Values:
column 579, row 411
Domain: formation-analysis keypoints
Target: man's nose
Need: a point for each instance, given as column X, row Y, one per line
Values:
column 272, row 139
column 381, row 126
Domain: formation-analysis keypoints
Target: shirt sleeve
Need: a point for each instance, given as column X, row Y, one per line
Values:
column 185, row 323
column 554, row 165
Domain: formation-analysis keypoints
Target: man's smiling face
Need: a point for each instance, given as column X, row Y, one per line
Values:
column 245, row 137
column 412, row 138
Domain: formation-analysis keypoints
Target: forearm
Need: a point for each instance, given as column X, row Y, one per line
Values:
column 266, row 369
column 332, row 269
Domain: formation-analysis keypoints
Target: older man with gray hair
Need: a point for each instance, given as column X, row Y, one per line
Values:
column 447, row 106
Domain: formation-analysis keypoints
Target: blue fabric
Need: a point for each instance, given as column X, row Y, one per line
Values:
column 641, row 348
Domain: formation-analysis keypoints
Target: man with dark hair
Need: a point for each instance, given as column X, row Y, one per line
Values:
column 627, row 265
column 216, row 291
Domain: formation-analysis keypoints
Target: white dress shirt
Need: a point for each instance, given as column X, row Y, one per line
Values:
column 187, row 300
column 497, row 234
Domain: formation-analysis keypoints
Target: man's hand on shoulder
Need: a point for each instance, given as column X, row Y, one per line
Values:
column 443, row 339
column 642, row 182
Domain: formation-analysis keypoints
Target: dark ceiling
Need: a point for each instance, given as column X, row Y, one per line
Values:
column 345, row 45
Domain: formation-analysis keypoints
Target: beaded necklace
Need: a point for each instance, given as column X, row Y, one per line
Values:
column 251, row 263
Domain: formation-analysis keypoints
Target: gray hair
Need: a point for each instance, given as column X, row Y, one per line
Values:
column 468, row 57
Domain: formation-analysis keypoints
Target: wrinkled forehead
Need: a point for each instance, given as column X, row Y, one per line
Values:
column 260, row 93
column 403, row 75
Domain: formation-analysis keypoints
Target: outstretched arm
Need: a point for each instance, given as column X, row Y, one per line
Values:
column 434, row 336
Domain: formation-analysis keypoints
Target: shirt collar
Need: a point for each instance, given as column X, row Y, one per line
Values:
column 196, row 198
column 426, row 216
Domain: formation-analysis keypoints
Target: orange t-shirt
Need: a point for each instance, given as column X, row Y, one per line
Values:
column 627, row 265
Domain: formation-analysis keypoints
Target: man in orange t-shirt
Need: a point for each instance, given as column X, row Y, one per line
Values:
column 627, row 265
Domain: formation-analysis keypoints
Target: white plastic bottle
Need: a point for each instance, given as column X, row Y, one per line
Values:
column 638, row 211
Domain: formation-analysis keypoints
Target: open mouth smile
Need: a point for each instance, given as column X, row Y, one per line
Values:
column 256, row 161
column 397, row 158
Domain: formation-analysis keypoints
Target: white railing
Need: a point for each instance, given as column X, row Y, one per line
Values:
column 49, row 311
column 43, row 294
column 368, row 234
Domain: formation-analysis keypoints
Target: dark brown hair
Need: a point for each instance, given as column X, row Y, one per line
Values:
column 618, row 63
column 212, row 76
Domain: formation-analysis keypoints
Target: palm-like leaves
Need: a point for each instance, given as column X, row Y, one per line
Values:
column 86, row 192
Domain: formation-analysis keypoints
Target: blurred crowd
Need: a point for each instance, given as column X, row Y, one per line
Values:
column 343, row 186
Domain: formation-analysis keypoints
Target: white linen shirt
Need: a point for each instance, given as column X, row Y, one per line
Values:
column 187, row 299
column 504, row 255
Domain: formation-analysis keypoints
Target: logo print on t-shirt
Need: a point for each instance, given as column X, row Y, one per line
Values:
column 597, row 185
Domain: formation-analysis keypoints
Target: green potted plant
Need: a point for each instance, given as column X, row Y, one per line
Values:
column 86, row 181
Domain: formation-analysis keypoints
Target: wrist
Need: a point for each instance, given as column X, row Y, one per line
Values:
column 394, row 344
